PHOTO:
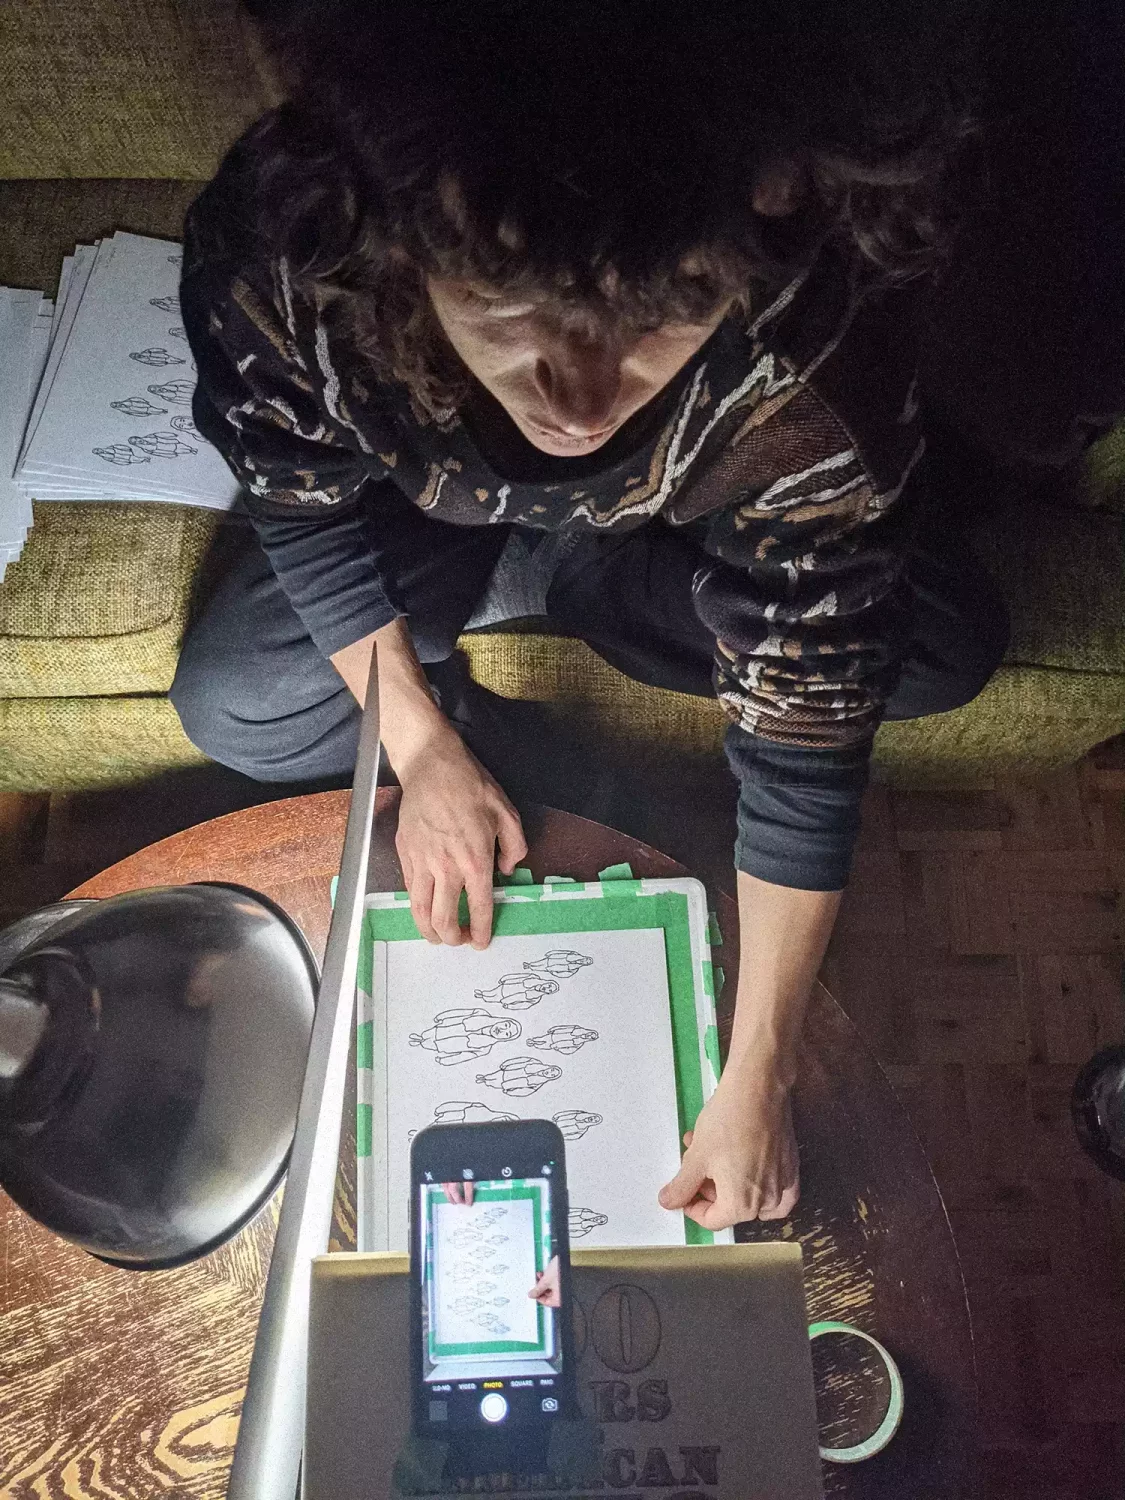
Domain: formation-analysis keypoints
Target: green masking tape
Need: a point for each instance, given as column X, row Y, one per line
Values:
column 890, row 1423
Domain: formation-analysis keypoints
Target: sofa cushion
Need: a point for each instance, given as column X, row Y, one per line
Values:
column 98, row 602
column 124, row 88
column 1062, row 571
column 40, row 222
column 81, row 744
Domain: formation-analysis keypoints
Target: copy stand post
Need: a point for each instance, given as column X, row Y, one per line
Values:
column 267, row 1457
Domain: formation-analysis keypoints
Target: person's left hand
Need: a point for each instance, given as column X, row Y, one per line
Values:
column 460, row 1193
column 741, row 1160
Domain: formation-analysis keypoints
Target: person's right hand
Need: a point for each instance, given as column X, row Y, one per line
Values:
column 451, row 818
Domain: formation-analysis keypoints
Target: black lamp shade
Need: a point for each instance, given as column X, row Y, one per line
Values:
column 155, row 1115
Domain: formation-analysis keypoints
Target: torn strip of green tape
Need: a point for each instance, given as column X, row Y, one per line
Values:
column 714, row 931
column 711, row 1047
column 365, row 1044
column 363, row 1130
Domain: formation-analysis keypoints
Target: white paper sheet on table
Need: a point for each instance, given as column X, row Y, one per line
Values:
column 594, row 1052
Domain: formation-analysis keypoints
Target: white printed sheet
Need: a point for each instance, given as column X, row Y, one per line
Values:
column 571, row 1029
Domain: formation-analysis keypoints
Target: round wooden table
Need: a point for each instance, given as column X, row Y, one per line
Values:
column 125, row 1384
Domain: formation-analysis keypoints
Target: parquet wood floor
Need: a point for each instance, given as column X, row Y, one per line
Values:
column 980, row 953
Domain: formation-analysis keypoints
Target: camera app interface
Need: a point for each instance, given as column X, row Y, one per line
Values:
column 490, row 1301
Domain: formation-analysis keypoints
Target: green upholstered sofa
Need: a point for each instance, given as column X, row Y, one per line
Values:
column 116, row 110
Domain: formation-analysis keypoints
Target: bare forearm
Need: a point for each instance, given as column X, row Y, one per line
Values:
column 782, row 937
column 452, row 814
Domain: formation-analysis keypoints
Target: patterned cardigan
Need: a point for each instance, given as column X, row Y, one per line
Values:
column 793, row 450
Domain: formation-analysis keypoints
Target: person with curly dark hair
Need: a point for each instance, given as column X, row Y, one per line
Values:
column 623, row 282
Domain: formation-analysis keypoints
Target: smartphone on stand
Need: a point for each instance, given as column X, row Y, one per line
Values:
column 491, row 1332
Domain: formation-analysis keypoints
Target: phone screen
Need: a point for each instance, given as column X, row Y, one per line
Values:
column 491, row 1276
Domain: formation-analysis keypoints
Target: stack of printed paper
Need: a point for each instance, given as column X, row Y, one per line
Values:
column 25, row 326
column 111, row 418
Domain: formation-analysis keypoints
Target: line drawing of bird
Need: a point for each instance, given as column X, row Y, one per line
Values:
column 574, row 1123
column 492, row 1324
column 561, row 963
column 582, row 1220
column 463, row 1111
column 565, row 1039
column 518, row 991
column 177, row 332
column 520, row 1076
column 121, row 453
column 139, row 406
column 460, row 1034
column 175, row 392
column 157, row 357
column 183, row 423
column 163, row 445
column 166, row 304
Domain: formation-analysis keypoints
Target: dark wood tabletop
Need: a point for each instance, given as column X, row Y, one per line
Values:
column 125, row 1384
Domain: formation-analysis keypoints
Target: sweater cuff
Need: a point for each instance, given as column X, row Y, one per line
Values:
column 329, row 575
column 798, row 811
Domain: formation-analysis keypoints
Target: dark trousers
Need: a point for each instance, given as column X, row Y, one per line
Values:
column 254, row 693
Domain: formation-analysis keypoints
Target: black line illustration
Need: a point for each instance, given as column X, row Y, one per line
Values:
column 177, row 332
column 176, row 260
column 520, row 1076
column 560, row 963
column 582, row 1220
column 497, row 1239
column 139, row 406
column 492, row 1324
column 463, row 1112
column 157, row 357
column 175, row 392
column 519, row 991
column 472, row 1304
column 464, row 1270
column 121, row 453
column 183, row 423
column 563, row 1039
column 163, row 445
column 166, row 304
column 574, row 1123
column 458, row 1036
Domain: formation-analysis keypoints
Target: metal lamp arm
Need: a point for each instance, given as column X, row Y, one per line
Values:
column 267, row 1456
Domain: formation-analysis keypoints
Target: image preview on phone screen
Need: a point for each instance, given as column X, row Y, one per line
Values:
column 492, row 1351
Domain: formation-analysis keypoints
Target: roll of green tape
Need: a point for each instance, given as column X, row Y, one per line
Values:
column 895, row 1406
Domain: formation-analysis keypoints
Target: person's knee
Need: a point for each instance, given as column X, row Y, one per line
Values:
column 204, row 702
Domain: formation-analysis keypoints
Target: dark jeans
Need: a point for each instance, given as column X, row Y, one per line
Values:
column 254, row 693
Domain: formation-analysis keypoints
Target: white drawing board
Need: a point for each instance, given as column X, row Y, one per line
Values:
column 594, row 1011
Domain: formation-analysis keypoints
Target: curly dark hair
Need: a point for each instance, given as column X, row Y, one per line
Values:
column 599, row 152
